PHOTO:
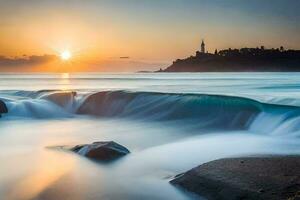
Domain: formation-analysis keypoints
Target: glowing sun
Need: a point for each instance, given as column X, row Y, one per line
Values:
column 65, row 55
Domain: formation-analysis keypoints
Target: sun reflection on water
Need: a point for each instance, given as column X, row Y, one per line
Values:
column 64, row 82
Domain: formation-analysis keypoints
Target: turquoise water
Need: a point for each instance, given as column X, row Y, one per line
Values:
column 170, row 122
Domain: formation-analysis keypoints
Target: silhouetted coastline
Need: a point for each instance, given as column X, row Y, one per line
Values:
column 239, row 60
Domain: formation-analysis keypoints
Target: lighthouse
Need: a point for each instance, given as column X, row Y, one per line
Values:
column 202, row 46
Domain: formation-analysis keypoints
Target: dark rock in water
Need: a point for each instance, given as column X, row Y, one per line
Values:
column 106, row 103
column 104, row 151
column 61, row 98
column 274, row 177
column 3, row 108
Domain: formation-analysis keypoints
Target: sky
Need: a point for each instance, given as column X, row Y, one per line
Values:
column 133, row 35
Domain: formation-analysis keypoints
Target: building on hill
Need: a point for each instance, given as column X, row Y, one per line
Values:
column 239, row 60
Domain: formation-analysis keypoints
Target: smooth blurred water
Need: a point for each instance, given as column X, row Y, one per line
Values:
column 183, row 132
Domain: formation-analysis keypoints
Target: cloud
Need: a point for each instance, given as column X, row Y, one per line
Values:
column 27, row 60
column 52, row 63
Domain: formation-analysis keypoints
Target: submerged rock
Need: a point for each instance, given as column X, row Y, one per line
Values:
column 276, row 177
column 104, row 151
column 61, row 98
column 3, row 108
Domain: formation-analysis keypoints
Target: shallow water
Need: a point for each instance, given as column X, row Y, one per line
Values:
column 169, row 122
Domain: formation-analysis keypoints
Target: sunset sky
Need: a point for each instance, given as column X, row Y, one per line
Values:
column 131, row 35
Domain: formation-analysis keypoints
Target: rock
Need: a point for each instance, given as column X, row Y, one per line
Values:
column 3, row 108
column 106, row 103
column 272, row 177
column 104, row 151
column 61, row 98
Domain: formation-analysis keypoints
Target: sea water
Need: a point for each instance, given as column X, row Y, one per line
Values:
column 171, row 122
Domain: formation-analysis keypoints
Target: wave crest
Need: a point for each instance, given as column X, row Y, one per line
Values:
column 202, row 110
column 219, row 111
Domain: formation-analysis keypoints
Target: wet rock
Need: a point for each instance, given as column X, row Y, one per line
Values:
column 3, row 108
column 244, row 178
column 61, row 98
column 104, row 151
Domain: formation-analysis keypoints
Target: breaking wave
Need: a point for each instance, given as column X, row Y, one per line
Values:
column 206, row 111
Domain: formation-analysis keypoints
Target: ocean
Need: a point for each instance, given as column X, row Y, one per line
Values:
column 171, row 122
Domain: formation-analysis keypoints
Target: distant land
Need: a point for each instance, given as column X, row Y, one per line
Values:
column 239, row 60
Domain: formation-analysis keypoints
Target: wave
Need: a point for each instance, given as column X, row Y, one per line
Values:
column 40, row 104
column 219, row 111
column 36, row 108
column 201, row 110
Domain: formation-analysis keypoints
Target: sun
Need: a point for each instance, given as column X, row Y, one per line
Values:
column 65, row 55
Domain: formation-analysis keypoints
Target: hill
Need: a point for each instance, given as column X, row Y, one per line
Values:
column 239, row 60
